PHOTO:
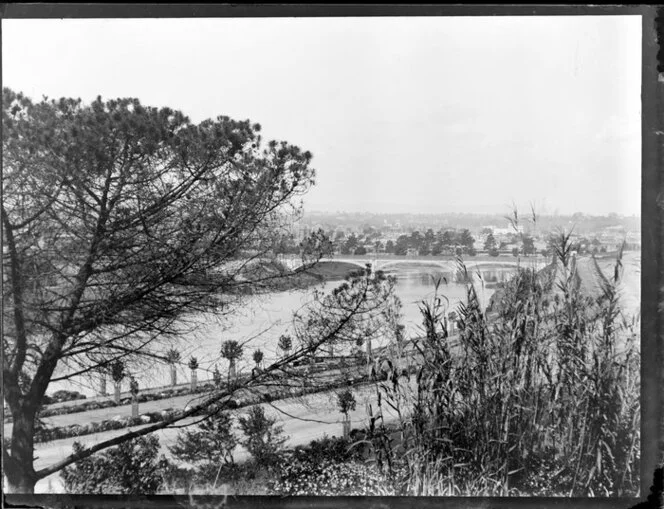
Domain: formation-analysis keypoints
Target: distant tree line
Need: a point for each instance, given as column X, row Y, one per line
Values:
column 356, row 244
column 423, row 244
column 442, row 242
column 430, row 243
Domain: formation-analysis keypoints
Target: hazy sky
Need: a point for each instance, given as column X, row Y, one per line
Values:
column 424, row 114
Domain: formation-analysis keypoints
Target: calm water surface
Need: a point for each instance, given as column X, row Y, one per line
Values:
column 261, row 320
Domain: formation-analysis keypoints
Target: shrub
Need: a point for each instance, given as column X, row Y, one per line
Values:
column 59, row 396
column 263, row 438
column 89, row 475
column 211, row 442
column 334, row 449
column 131, row 468
column 329, row 478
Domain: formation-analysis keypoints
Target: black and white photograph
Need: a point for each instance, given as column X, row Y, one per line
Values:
column 322, row 256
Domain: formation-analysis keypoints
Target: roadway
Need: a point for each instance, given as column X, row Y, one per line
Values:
column 303, row 419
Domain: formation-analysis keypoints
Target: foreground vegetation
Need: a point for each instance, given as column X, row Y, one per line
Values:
column 541, row 400
column 540, row 397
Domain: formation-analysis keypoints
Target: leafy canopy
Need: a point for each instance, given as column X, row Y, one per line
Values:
column 120, row 221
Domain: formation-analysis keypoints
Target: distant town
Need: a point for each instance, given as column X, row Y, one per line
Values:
column 426, row 235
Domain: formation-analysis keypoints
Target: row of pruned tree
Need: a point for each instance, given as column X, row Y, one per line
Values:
column 231, row 350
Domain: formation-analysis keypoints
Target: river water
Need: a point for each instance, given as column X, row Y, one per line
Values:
column 262, row 319
column 273, row 314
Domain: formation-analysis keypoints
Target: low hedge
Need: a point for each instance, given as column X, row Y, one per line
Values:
column 77, row 430
column 108, row 403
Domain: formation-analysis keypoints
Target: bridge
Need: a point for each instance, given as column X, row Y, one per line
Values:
column 488, row 266
column 294, row 263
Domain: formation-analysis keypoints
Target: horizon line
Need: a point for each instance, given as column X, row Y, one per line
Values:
column 504, row 214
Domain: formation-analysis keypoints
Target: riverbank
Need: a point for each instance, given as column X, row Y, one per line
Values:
column 279, row 278
column 276, row 276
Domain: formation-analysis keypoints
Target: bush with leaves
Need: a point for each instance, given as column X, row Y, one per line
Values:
column 333, row 448
column 131, row 468
column 330, row 478
column 263, row 438
column 212, row 442
column 327, row 466
column 62, row 395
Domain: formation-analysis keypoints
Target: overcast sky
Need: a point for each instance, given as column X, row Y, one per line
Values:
column 425, row 114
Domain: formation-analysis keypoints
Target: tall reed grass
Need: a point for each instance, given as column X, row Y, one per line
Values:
column 539, row 397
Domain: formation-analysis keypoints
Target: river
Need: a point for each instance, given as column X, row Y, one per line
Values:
column 260, row 321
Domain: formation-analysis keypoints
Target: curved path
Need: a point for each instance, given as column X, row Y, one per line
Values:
column 295, row 414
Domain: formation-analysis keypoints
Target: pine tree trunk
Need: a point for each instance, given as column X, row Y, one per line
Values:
column 231, row 371
column 117, row 393
column 194, row 380
column 134, row 406
column 174, row 376
column 18, row 483
column 18, row 466
column 369, row 353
